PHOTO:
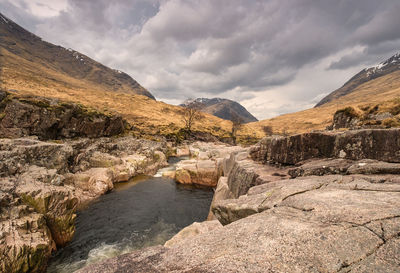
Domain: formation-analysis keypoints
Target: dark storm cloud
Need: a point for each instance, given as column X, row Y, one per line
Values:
column 184, row 48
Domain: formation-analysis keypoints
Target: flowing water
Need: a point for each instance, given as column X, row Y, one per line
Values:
column 143, row 212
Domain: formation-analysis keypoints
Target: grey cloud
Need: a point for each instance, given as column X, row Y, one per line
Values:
column 189, row 48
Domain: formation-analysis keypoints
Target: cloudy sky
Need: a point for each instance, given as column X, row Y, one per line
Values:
column 273, row 56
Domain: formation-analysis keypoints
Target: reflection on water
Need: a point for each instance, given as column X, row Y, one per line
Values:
column 143, row 212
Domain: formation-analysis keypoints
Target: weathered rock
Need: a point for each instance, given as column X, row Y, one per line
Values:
column 182, row 151
column 345, row 118
column 169, row 174
column 51, row 119
column 374, row 167
column 17, row 155
column 200, row 172
column 328, row 196
column 193, row 230
column 222, row 192
column 378, row 144
column 208, row 163
column 282, row 239
column 344, row 166
column 183, row 176
column 42, row 184
column 325, row 223
column 25, row 241
column 57, row 204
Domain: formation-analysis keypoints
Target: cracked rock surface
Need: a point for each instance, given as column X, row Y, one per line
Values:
column 340, row 212
column 42, row 184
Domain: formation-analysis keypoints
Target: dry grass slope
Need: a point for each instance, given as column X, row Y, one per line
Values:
column 149, row 117
column 382, row 90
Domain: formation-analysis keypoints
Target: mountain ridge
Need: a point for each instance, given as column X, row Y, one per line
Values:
column 222, row 108
column 15, row 40
column 384, row 68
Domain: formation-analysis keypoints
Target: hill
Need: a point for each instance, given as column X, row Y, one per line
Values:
column 33, row 67
column 380, row 87
column 387, row 67
column 45, row 60
column 222, row 108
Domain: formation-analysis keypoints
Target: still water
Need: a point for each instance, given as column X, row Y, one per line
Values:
column 143, row 212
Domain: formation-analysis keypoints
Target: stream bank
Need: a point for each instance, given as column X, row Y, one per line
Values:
column 314, row 202
column 142, row 212
column 43, row 184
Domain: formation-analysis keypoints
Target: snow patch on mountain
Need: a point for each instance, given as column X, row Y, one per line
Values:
column 394, row 60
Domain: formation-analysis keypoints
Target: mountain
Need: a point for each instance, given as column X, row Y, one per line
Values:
column 384, row 68
column 31, row 67
column 45, row 60
column 374, row 88
column 222, row 108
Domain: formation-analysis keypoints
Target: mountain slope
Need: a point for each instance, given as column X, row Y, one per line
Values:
column 380, row 90
column 25, row 71
column 222, row 108
column 43, row 58
column 384, row 68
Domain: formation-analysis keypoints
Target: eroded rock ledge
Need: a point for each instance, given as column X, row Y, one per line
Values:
column 340, row 212
column 42, row 184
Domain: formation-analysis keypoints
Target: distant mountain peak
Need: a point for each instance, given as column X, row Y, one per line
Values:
column 392, row 61
column 384, row 68
column 222, row 108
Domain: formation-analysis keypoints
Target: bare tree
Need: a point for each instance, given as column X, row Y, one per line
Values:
column 237, row 123
column 189, row 117
column 191, row 113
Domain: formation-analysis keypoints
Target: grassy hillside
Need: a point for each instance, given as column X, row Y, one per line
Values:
column 381, row 90
column 31, row 66
column 148, row 117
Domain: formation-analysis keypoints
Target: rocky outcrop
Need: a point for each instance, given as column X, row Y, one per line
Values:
column 378, row 144
column 339, row 214
column 319, row 238
column 42, row 184
column 206, row 165
column 344, row 166
column 193, row 230
column 52, row 119
column 345, row 118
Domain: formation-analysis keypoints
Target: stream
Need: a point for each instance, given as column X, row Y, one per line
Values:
column 142, row 212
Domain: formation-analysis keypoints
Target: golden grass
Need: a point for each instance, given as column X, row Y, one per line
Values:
column 32, row 77
column 382, row 90
column 147, row 116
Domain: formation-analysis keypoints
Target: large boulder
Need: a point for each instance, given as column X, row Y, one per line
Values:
column 18, row 154
column 378, row 144
column 52, row 119
column 200, row 172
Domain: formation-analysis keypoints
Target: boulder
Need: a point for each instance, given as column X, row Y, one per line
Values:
column 378, row 144
column 52, row 119
column 193, row 230
column 57, row 204
column 18, row 154
column 200, row 172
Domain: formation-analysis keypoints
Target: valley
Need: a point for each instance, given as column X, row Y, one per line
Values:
column 97, row 175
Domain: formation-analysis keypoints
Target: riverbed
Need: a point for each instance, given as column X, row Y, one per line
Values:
column 143, row 212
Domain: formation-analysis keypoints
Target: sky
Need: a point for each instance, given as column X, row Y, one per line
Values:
column 272, row 56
